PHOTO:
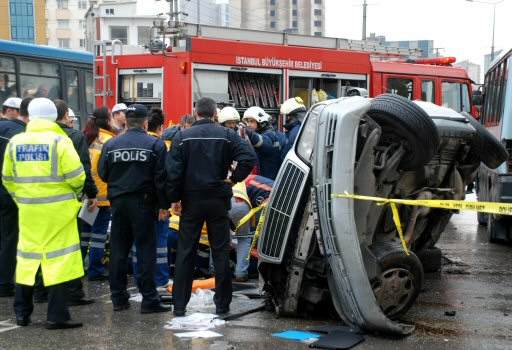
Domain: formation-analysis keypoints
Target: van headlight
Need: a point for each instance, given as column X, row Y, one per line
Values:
column 306, row 141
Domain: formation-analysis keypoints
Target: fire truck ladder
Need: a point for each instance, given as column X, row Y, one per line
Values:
column 103, row 50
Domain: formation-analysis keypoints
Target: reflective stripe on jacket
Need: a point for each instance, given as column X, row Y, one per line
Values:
column 43, row 173
column 95, row 152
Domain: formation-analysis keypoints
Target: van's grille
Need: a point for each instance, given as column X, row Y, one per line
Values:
column 280, row 213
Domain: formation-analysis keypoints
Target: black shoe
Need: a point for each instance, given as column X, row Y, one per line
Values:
column 80, row 302
column 151, row 309
column 100, row 278
column 5, row 293
column 221, row 311
column 121, row 307
column 63, row 325
column 179, row 312
column 22, row 321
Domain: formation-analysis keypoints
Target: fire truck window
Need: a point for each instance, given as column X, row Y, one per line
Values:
column 300, row 87
column 324, row 89
column 254, row 89
column 455, row 97
column 7, row 80
column 72, row 90
column 120, row 33
column 400, row 86
column 210, row 83
column 89, row 92
column 428, row 92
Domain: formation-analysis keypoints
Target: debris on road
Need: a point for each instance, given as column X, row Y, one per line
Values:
column 450, row 313
column 199, row 334
column 195, row 322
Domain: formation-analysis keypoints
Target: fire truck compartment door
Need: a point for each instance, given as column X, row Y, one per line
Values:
column 211, row 80
column 141, row 85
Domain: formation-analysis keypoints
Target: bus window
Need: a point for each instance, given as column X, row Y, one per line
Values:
column 456, row 96
column 400, row 86
column 89, row 92
column 7, row 79
column 72, row 90
column 428, row 92
column 39, row 79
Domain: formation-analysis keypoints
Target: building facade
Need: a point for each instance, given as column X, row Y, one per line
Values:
column 473, row 70
column 66, row 23
column 128, row 21
column 25, row 21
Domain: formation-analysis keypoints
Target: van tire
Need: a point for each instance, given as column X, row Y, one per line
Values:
column 485, row 146
column 391, row 257
column 402, row 120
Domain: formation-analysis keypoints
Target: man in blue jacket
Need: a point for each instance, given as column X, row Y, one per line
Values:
column 294, row 111
column 267, row 142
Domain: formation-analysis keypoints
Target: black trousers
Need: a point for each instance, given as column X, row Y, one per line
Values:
column 132, row 222
column 57, row 302
column 8, row 241
column 194, row 213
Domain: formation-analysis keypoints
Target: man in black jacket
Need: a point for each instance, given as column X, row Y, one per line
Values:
column 197, row 175
column 8, row 209
column 133, row 166
column 76, row 291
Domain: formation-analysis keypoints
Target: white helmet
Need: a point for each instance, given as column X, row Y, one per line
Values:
column 119, row 107
column 71, row 114
column 256, row 113
column 12, row 102
column 42, row 108
column 228, row 114
column 293, row 104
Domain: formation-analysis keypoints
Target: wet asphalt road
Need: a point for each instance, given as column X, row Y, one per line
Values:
column 477, row 285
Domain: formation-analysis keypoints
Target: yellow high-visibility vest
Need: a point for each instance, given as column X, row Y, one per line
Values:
column 95, row 153
column 43, row 174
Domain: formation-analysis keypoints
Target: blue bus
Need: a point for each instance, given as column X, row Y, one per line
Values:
column 42, row 71
column 496, row 116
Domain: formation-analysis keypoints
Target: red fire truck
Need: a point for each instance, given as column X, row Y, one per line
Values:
column 244, row 68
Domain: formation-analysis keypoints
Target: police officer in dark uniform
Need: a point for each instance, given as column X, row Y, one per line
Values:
column 76, row 291
column 8, row 210
column 197, row 175
column 133, row 166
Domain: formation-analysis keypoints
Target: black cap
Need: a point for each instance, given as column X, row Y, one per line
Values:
column 136, row 111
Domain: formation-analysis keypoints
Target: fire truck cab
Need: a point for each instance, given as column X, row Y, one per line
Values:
column 244, row 68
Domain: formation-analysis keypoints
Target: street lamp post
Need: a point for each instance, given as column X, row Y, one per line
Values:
column 494, row 3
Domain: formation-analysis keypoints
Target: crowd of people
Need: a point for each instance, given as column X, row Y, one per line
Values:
column 159, row 196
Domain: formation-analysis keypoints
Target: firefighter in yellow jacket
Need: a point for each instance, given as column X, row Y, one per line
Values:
column 43, row 174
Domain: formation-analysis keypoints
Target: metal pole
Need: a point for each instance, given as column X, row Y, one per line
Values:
column 365, row 5
column 493, row 27
column 198, row 12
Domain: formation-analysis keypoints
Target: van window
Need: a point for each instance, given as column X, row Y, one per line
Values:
column 456, row 96
column 428, row 91
column 400, row 86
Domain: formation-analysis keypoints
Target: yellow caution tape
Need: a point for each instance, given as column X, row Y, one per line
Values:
column 259, row 228
column 249, row 216
column 481, row 207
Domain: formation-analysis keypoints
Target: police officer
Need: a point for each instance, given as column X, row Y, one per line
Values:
column 197, row 175
column 267, row 142
column 295, row 111
column 11, row 108
column 132, row 165
column 8, row 209
column 65, row 121
column 43, row 173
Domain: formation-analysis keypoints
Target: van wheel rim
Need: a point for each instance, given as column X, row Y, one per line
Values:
column 393, row 289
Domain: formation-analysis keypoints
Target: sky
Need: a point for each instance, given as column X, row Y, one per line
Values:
column 463, row 29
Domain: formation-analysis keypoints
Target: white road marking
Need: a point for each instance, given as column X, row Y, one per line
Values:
column 7, row 326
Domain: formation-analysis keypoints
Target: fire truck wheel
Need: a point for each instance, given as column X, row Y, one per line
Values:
column 400, row 281
column 485, row 146
column 402, row 121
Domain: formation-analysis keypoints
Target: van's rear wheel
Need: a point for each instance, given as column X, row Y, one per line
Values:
column 400, row 281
